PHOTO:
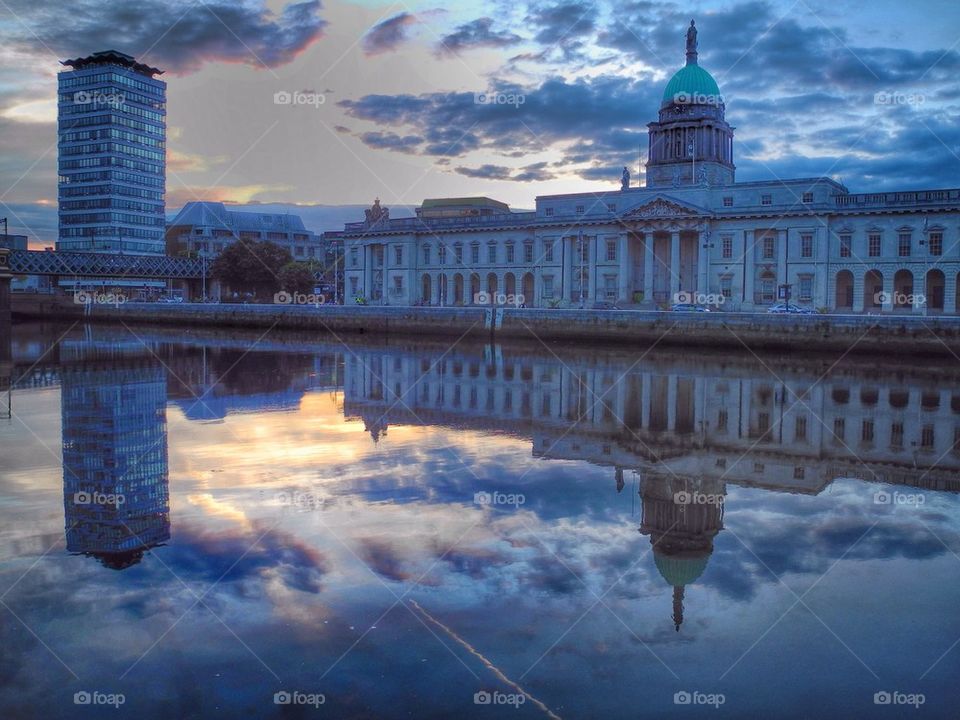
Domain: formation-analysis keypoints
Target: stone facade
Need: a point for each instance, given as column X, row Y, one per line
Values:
column 691, row 234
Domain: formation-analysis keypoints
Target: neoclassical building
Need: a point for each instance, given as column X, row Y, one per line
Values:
column 691, row 229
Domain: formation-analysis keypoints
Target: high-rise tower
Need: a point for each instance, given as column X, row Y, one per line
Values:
column 112, row 165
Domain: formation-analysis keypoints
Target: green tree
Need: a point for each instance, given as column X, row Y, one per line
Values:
column 297, row 277
column 251, row 266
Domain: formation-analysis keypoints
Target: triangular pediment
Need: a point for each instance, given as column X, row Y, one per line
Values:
column 663, row 206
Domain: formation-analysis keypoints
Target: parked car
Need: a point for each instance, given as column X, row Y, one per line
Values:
column 689, row 307
column 790, row 309
column 605, row 305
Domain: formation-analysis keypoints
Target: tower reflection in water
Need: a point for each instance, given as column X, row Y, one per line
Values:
column 685, row 425
column 115, row 475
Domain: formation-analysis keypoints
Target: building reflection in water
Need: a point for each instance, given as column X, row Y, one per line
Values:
column 115, row 474
column 687, row 425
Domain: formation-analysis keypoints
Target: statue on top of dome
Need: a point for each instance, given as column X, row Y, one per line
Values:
column 692, row 43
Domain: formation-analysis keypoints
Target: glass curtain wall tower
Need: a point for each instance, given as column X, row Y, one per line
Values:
column 112, row 164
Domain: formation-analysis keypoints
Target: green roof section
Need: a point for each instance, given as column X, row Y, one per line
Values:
column 465, row 201
column 680, row 571
column 691, row 80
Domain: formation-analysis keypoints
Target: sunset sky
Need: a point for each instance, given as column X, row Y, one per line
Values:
column 813, row 87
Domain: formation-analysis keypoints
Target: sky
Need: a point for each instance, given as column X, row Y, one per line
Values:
column 511, row 100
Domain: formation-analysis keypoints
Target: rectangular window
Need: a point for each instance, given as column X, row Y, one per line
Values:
column 846, row 245
column 806, row 289
column 726, row 246
column 766, row 199
column 866, row 431
column 896, row 434
column 398, row 283
column 927, row 437
column 510, row 253
column 726, row 287
column 612, row 207
column 807, row 198
column 610, row 286
column 800, row 429
column 768, row 247
column 398, row 254
column 583, row 251
column 904, row 244
column 935, row 243
column 353, row 257
column 458, row 254
column 579, row 209
column 839, row 428
column 611, row 250
column 722, row 419
column 528, row 252
column 426, row 254
column 873, row 244
column 475, row 254
column 491, row 254
column 548, row 286
column 806, row 245
column 548, row 211
column 353, row 286
column 442, row 254
column 548, row 250
column 728, row 201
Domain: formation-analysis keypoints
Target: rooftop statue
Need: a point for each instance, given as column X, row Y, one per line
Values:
column 376, row 213
column 625, row 179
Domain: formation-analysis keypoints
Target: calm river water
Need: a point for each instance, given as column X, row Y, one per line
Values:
column 224, row 524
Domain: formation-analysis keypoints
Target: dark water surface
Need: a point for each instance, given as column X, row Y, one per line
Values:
column 197, row 522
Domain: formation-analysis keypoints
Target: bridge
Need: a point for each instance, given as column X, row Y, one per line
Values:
column 103, row 265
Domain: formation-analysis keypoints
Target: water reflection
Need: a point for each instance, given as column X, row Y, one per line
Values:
column 115, row 474
column 678, row 488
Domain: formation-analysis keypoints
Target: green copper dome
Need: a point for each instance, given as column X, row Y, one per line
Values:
column 679, row 571
column 691, row 81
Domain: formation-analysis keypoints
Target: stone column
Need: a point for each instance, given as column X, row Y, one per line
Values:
column 821, row 280
column 645, row 400
column 671, row 403
column 674, row 284
column 888, row 291
column 783, row 258
column 858, row 292
column 749, row 271
column 703, row 283
column 624, row 281
column 567, row 248
column 649, row 260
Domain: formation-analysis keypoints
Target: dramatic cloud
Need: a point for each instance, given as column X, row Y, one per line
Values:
column 178, row 35
column 486, row 172
column 388, row 35
column 479, row 33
